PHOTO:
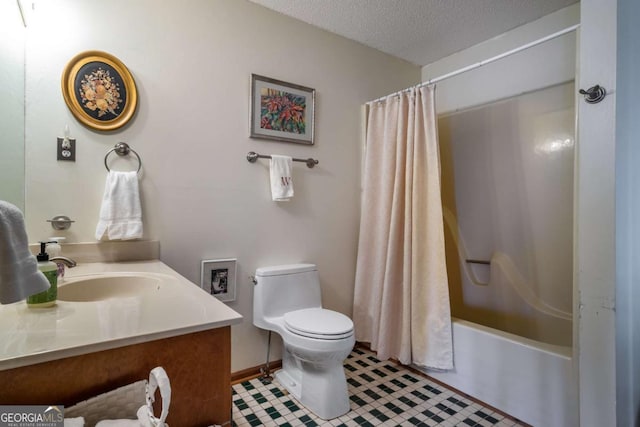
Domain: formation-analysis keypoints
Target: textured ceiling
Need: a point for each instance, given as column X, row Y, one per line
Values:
column 419, row 31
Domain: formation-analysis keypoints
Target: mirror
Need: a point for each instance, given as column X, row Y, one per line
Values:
column 12, row 72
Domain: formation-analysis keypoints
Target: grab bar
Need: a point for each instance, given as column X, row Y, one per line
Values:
column 478, row 261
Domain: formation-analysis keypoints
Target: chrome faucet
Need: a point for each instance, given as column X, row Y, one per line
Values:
column 64, row 260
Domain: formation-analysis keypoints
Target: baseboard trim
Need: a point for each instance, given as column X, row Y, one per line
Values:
column 253, row 372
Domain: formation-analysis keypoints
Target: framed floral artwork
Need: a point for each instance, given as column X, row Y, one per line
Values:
column 99, row 90
column 282, row 111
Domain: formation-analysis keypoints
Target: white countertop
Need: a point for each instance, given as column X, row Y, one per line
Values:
column 176, row 307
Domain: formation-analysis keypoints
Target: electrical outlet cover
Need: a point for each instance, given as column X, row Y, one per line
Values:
column 67, row 153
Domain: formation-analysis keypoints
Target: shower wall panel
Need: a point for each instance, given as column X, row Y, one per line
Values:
column 507, row 172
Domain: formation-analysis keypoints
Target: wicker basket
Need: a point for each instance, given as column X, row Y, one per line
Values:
column 129, row 403
column 121, row 403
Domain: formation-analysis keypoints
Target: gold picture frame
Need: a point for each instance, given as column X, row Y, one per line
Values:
column 99, row 90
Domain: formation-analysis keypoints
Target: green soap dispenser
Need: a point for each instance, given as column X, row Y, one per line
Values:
column 50, row 270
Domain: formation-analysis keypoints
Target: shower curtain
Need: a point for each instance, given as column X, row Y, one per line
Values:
column 401, row 301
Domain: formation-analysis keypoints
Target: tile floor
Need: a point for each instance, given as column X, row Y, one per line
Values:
column 381, row 393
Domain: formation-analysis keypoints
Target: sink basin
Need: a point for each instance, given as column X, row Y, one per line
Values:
column 99, row 288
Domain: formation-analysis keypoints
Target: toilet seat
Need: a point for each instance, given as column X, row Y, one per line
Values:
column 318, row 323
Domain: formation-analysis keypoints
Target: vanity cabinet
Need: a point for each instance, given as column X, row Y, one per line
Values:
column 198, row 365
column 91, row 343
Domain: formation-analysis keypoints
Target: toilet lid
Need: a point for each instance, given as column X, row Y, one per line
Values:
column 319, row 323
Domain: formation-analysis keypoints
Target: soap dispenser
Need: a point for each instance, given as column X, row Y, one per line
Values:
column 50, row 270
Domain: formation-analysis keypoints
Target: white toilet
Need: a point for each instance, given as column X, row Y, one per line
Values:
column 316, row 341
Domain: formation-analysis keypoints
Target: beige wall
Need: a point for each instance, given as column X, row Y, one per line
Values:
column 201, row 198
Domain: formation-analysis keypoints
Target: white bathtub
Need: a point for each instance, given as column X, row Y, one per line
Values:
column 529, row 380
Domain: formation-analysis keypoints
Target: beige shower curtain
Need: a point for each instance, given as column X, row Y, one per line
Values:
column 401, row 302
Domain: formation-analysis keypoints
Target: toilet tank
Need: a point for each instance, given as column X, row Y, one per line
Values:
column 284, row 288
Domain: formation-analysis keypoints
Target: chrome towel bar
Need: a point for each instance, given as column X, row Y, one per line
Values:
column 252, row 156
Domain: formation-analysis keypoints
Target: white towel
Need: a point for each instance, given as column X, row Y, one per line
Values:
column 142, row 421
column 120, row 214
column 281, row 181
column 74, row 422
column 19, row 275
column 157, row 379
column 119, row 423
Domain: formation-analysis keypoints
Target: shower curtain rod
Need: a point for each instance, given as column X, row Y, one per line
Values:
column 484, row 62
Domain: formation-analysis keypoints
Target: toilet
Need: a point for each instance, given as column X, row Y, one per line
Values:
column 316, row 341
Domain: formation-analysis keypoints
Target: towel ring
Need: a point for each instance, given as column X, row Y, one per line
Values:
column 122, row 149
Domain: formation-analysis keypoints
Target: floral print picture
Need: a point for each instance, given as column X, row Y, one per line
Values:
column 281, row 111
column 99, row 90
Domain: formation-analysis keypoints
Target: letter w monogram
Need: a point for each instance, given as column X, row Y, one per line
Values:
column 286, row 180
